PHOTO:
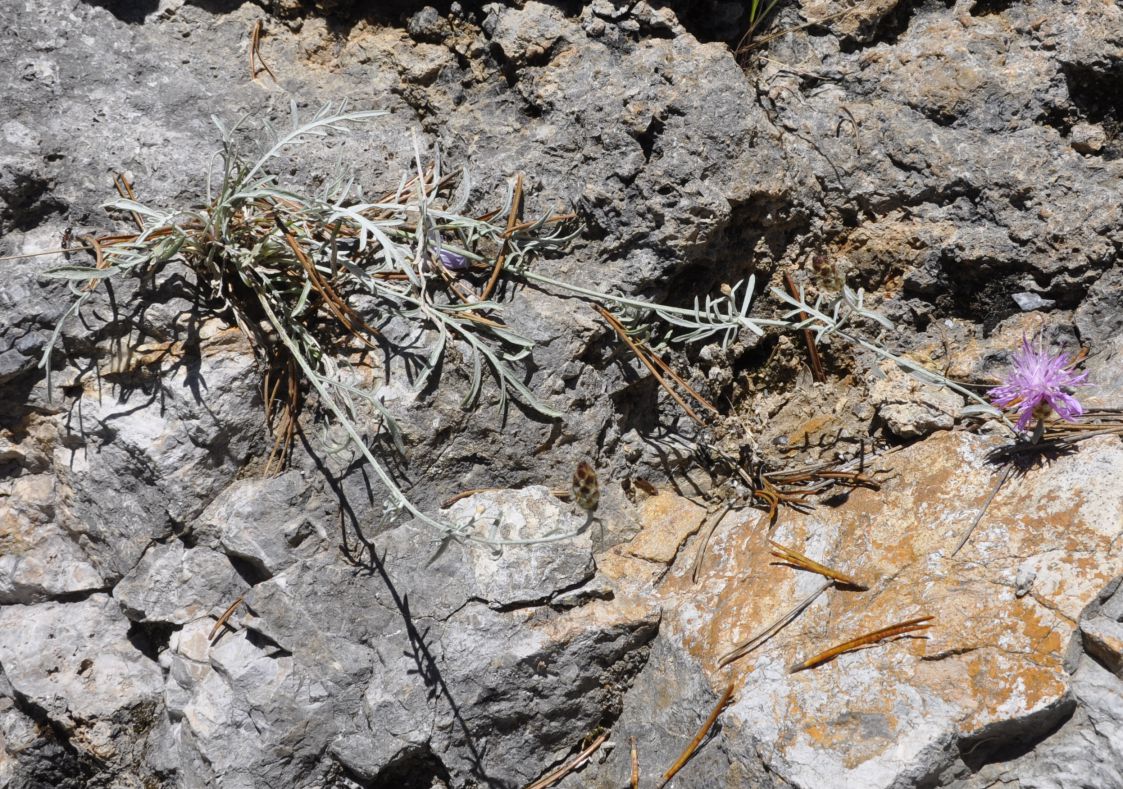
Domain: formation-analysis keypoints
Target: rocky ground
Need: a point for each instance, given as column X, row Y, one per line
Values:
column 960, row 160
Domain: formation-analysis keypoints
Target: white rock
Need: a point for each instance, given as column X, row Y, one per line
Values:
column 75, row 662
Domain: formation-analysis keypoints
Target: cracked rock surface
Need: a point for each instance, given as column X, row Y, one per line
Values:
column 990, row 676
column 961, row 160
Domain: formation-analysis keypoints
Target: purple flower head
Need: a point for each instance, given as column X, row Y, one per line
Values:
column 452, row 261
column 1037, row 385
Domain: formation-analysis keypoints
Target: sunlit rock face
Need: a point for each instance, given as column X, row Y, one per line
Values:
column 991, row 671
column 960, row 161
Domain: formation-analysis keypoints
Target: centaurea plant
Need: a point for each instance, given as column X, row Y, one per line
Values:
column 1039, row 384
column 285, row 264
column 1036, row 386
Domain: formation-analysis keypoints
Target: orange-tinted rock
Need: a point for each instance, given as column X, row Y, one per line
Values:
column 668, row 521
column 992, row 659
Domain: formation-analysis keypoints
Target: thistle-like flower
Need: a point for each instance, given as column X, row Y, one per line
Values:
column 1037, row 386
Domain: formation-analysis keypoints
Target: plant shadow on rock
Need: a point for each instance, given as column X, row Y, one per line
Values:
column 26, row 201
column 169, row 316
column 417, row 768
column 420, row 766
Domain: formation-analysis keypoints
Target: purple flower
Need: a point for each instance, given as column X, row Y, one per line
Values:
column 1037, row 385
column 452, row 261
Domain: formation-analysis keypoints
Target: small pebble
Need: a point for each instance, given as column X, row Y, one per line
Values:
column 1087, row 138
column 1028, row 302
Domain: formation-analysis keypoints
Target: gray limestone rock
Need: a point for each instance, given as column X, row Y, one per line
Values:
column 75, row 665
column 141, row 463
column 1083, row 752
column 29, row 308
column 1101, row 629
column 38, row 558
column 175, row 584
column 949, row 156
column 30, row 754
column 519, row 575
column 1105, row 375
column 668, row 703
column 911, row 408
column 253, row 717
column 1099, row 318
column 261, row 521
column 382, row 677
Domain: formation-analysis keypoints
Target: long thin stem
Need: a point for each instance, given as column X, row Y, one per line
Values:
column 556, row 775
column 939, row 379
column 798, row 560
column 647, row 306
column 892, row 631
column 759, row 639
column 312, row 126
column 703, row 730
column 345, row 422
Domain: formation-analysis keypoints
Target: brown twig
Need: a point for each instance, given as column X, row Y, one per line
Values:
column 1065, row 432
column 797, row 559
column 512, row 223
column 679, row 380
column 255, row 53
column 823, row 475
column 125, row 189
column 854, row 478
column 99, row 257
column 808, row 337
column 701, row 735
column 553, row 777
column 773, row 497
column 454, row 286
column 635, row 765
column 222, row 620
column 342, row 311
column 622, row 333
column 1096, row 422
column 285, row 427
column 553, row 219
column 755, row 642
column 763, row 487
column 903, row 628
